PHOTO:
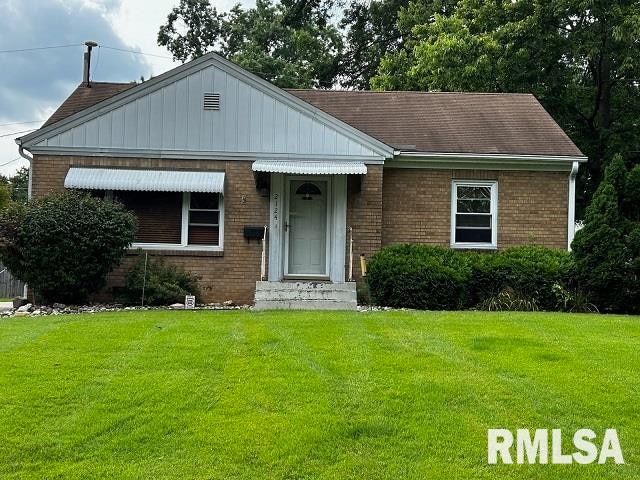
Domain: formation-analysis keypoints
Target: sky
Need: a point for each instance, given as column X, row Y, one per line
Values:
column 34, row 83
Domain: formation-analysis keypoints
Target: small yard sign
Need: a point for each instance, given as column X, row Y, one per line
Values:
column 189, row 302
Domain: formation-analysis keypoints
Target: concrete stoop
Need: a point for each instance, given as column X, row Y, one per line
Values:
column 307, row 295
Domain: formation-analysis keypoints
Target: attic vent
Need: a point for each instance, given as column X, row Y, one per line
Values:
column 211, row 101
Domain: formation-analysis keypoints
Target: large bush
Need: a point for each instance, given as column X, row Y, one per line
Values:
column 163, row 284
column 65, row 244
column 419, row 276
column 529, row 271
column 424, row 277
column 607, row 249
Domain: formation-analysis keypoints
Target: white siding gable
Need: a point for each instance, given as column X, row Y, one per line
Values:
column 253, row 120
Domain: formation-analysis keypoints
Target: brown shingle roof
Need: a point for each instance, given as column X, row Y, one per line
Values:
column 481, row 123
column 85, row 97
column 448, row 122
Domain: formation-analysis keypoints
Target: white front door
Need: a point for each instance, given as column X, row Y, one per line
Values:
column 306, row 227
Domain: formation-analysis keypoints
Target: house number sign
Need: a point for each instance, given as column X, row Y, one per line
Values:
column 275, row 207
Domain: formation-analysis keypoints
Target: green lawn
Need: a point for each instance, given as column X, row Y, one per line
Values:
column 239, row 394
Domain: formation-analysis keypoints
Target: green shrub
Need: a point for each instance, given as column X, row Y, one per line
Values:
column 529, row 271
column 424, row 277
column 607, row 248
column 65, row 244
column 419, row 276
column 574, row 301
column 164, row 285
column 509, row 300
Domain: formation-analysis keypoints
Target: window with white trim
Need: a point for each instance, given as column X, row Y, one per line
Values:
column 172, row 220
column 204, row 219
column 474, row 206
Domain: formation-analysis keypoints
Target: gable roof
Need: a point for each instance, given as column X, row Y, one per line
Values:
column 83, row 97
column 426, row 122
column 164, row 117
column 439, row 122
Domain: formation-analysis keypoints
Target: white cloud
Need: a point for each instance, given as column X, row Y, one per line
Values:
column 136, row 22
column 34, row 84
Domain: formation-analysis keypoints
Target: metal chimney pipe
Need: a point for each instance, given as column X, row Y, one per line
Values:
column 87, row 63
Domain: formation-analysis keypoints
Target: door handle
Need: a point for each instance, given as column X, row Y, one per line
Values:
column 286, row 225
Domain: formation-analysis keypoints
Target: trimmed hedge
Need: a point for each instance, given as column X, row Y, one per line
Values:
column 530, row 271
column 419, row 276
column 436, row 278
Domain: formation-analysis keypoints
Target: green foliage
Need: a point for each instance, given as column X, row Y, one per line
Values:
column 616, row 175
column 631, row 203
column 370, row 30
column 289, row 43
column 607, row 248
column 424, row 277
column 163, row 285
column 5, row 196
column 18, row 185
column 452, row 59
column 633, row 281
column 573, row 301
column 528, row 271
column 418, row 276
column 508, row 300
column 65, row 244
column 580, row 59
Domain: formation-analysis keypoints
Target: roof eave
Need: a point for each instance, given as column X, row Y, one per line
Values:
column 466, row 156
column 471, row 161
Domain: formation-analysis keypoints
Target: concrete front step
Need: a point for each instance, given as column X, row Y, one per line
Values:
column 309, row 295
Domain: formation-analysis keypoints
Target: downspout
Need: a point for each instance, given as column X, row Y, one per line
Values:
column 30, row 160
column 571, row 217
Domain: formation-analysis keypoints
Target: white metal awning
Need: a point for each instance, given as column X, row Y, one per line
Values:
column 310, row 168
column 144, row 180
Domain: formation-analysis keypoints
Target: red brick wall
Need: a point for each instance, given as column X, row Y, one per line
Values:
column 228, row 275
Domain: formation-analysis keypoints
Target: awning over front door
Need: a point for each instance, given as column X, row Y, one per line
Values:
column 144, row 180
column 310, row 168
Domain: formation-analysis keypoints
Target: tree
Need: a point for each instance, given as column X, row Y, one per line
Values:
column 631, row 205
column 370, row 30
column 580, row 59
column 19, row 185
column 290, row 43
column 5, row 196
column 607, row 249
column 65, row 244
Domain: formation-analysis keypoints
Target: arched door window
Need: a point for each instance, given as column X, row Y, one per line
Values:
column 308, row 190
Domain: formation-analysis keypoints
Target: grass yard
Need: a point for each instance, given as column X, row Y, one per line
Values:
column 386, row 395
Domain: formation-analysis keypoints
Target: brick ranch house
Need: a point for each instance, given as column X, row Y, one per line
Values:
column 208, row 154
